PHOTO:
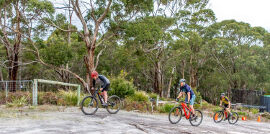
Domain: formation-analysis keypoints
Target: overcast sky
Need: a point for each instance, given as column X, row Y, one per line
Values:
column 254, row 12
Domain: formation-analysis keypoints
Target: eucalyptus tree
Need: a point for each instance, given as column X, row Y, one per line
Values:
column 236, row 48
column 17, row 18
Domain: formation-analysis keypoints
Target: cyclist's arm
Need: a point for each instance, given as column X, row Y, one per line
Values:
column 94, row 84
column 220, row 102
column 188, row 96
column 180, row 94
column 229, row 106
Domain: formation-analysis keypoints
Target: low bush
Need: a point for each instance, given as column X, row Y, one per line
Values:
column 130, row 104
column 18, row 102
column 153, row 95
column 242, row 113
column 121, row 87
column 139, row 96
column 49, row 98
column 266, row 115
column 67, row 98
column 166, row 108
column 254, row 110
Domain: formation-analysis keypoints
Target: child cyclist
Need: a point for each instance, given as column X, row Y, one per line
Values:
column 104, row 86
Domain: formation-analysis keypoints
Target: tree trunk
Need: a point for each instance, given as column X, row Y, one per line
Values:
column 170, row 82
column 16, row 50
column 158, row 84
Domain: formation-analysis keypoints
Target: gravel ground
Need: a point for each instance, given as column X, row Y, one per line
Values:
column 72, row 120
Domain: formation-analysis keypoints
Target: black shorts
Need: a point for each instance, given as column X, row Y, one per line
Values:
column 226, row 105
column 106, row 88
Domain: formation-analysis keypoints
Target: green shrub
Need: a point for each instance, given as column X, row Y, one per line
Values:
column 49, row 98
column 198, row 95
column 139, row 96
column 121, row 87
column 242, row 113
column 254, row 110
column 69, row 98
column 153, row 95
column 166, row 108
column 18, row 102
column 197, row 106
column 266, row 115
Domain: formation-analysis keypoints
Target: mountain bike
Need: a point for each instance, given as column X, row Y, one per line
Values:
column 177, row 112
column 219, row 115
column 89, row 105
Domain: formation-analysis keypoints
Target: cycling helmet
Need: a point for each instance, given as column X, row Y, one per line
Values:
column 222, row 94
column 182, row 80
column 94, row 73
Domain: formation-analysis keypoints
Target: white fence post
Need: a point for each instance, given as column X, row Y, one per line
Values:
column 35, row 89
column 157, row 101
column 35, row 92
column 6, row 90
column 78, row 94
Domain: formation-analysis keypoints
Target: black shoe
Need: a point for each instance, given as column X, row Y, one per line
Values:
column 193, row 117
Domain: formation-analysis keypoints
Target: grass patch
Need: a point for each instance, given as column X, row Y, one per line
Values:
column 166, row 108
column 18, row 102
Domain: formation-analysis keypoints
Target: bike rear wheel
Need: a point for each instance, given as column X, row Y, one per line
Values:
column 233, row 118
column 197, row 120
column 175, row 115
column 218, row 116
column 89, row 105
column 114, row 104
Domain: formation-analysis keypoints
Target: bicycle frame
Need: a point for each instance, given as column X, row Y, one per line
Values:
column 99, row 96
column 225, row 112
column 184, row 107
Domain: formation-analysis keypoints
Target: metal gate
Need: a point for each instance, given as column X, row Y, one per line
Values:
column 20, row 85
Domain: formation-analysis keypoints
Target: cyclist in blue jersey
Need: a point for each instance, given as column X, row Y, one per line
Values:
column 104, row 87
column 190, row 96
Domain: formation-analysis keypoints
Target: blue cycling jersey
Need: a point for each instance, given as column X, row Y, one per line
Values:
column 186, row 88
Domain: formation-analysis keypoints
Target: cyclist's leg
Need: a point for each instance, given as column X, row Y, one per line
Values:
column 105, row 94
column 192, row 100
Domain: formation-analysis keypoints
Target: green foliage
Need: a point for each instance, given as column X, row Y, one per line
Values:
column 198, row 95
column 57, row 54
column 121, row 87
column 153, row 95
column 139, row 96
column 69, row 97
column 254, row 110
column 165, row 108
column 242, row 113
column 18, row 102
column 266, row 115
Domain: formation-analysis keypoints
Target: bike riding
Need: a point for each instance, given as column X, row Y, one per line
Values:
column 195, row 116
column 232, row 117
column 89, row 104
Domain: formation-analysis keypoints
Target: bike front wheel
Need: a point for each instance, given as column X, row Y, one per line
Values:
column 218, row 116
column 197, row 120
column 233, row 118
column 114, row 104
column 89, row 105
column 175, row 115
